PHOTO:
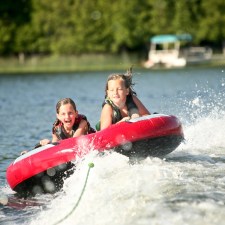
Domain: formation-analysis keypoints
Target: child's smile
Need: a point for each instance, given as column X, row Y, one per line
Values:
column 67, row 116
column 117, row 92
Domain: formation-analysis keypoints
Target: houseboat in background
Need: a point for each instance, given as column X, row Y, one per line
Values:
column 165, row 50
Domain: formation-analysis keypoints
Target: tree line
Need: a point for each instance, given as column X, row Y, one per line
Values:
column 102, row 26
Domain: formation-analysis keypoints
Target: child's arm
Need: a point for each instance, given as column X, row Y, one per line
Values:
column 47, row 141
column 106, row 116
column 82, row 129
column 54, row 138
column 44, row 142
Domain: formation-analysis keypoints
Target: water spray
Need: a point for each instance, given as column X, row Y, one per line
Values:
column 90, row 165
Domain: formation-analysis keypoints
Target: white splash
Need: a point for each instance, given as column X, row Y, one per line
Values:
column 206, row 133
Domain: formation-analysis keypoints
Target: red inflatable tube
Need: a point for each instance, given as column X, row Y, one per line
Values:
column 43, row 169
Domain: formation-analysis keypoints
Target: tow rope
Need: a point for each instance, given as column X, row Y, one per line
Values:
column 90, row 165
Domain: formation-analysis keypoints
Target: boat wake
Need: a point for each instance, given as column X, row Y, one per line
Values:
column 180, row 185
column 206, row 134
column 118, row 192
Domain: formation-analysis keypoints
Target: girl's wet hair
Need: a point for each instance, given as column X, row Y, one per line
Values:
column 126, row 77
column 61, row 102
column 65, row 101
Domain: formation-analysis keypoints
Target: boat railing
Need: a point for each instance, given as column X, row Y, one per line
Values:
column 198, row 53
column 163, row 56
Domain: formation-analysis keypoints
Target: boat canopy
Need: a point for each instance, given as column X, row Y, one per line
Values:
column 170, row 38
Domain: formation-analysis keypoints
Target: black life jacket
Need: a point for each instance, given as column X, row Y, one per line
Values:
column 60, row 133
column 131, row 107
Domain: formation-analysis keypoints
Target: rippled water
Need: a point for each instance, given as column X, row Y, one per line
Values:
column 186, row 187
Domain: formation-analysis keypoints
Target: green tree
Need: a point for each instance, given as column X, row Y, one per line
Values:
column 212, row 23
column 161, row 13
column 186, row 15
column 92, row 26
column 13, row 15
column 129, row 18
column 84, row 26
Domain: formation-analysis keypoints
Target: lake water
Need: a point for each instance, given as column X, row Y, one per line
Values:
column 186, row 187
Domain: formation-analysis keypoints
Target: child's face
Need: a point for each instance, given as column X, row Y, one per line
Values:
column 67, row 115
column 117, row 91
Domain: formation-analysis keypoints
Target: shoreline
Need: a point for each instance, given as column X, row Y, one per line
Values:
column 86, row 63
